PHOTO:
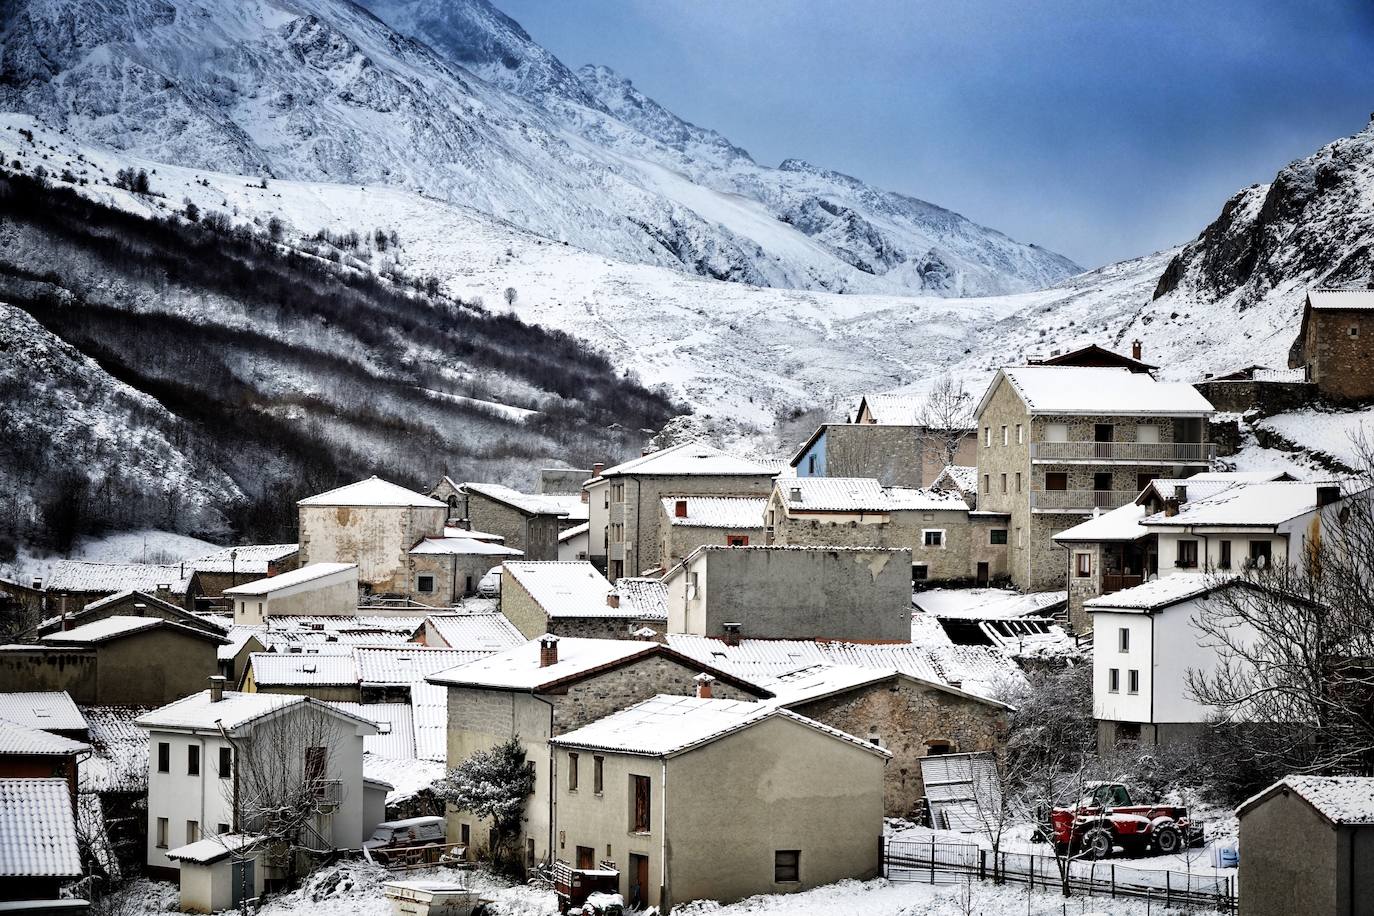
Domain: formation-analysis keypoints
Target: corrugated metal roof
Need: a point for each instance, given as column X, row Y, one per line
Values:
column 405, row 665
column 249, row 558
column 892, row 409
column 23, row 740
column 305, row 574
column 396, row 740
column 37, row 830
column 485, row 632
column 49, row 711
column 233, row 712
column 1341, row 298
column 119, row 757
column 518, row 668
column 212, row 849
column 429, row 710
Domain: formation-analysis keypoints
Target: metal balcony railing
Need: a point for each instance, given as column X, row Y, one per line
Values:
column 1081, row 500
column 1181, row 452
column 327, row 792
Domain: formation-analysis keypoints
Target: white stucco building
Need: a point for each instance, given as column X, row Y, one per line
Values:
column 317, row 590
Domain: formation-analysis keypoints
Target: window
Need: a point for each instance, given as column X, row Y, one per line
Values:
column 1133, row 681
column 1144, row 480
column 1020, row 537
column 192, row 760
column 1102, row 481
column 987, row 483
column 997, row 536
column 737, row 540
column 1005, row 440
column 315, row 763
column 1056, row 432
column 226, row 763
column 1018, row 481
column 786, row 866
column 162, row 833
column 987, row 437
column 639, row 811
column 1187, row 555
column 1223, row 554
column 598, row 773
column 221, row 829
column 1114, row 680
column 529, row 852
column 919, row 572
column 1020, row 434
column 1123, row 639
column 1353, row 330
column 192, row 831
column 586, row 857
column 933, row 537
column 164, row 757
column 1260, row 553
column 425, row 584
column 572, row 775
column 1004, row 484
column 1147, row 433
column 1082, row 565
column 811, row 464
column 1056, row 480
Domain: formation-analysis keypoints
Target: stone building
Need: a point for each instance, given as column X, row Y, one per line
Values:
column 445, row 570
column 901, row 455
column 372, row 523
column 1335, row 343
column 706, row 798
column 526, row 523
column 907, row 716
column 689, row 522
column 1055, row 443
column 857, row 594
column 948, row 543
column 450, row 493
column 626, row 500
column 213, row 573
column 570, row 599
column 550, row 686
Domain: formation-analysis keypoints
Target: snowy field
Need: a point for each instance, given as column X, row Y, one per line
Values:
column 145, row 546
column 1335, row 433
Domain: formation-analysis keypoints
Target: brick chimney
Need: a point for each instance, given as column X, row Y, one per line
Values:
column 598, row 468
column 548, row 650
column 1170, row 506
column 704, row 682
column 732, row 631
column 613, row 599
column 216, row 688
column 680, row 508
column 66, row 621
column 1137, row 349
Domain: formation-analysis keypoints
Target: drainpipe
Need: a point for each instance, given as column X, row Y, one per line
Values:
column 663, row 840
column 453, row 584
column 553, row 777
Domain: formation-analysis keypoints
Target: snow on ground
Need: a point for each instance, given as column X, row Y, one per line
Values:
column 985, row 603
column 1334, row 433
column 407, row 777
column 145, row 546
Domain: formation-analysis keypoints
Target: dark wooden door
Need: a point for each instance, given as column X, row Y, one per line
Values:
column 982, row 574
column 639, row 880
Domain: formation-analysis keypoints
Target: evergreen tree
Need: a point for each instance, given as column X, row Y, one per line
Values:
column 493, row 784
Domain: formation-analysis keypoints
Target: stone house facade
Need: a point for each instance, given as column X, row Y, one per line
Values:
column 443, row 571
column 896, row 455
column 689, row 522
column 569, row 599
column 1057, row 443
column 530, row 524
column 1335, row 344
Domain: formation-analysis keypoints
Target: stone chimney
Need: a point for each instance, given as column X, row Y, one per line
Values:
column 1137, row 349
column 1181, row 493
column 140, row 609
column 613, row 599
column 732, row 631
column 1327, row 493
column 680, row 508
column 704, row 682
column 548, row 650
column 795, row 495
column 1170, row 506
column 216, row 688
column 598, row 468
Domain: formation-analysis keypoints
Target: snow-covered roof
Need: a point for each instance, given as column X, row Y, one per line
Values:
column 81, row 576
column 666, row 725
column 572, row 588
column 642, row 597
column 1160, row 593
column 518, row 668
column 118, row 626
column 119, row 756
column 464, row 547
column 924, row 499
column 1119, row 524
column 283, row 669
column 249, row 558
column 1342, row 800
column 964, row 477
column 814, row 682
column 524, row 502
column 429, row 710
column 456, row 531
column 1063, row 390
column 985, row 603
column 238, row 638
column 1342, row 299
column 891, row 409
column 738, row 512
column 577, row 508
column 372, row 492
column 690, row 459
column 1245, row 505
column 476, row 632
column 49, row 711
column 16, row 739
column 102, row 603
column 236, row 710
column 212, row 849
column 862, row 494
column 395, row 738
column 379, row 665
column 289, row 579
column 576, row 531
column 37, row 830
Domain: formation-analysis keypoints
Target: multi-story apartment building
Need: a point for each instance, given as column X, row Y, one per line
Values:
column 1056, row 443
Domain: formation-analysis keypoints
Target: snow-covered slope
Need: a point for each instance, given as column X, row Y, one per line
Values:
column 321, row 90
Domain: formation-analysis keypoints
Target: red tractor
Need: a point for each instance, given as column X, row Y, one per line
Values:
column 1106, row 818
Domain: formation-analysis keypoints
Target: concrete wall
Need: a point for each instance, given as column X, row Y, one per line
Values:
column 128, row 673
column 181, row 797
column 904, row 716
column 44, row 668
column 335, row 595
column 377, row 538
column 210, row 889
column 1292, row 860
column 680, row 540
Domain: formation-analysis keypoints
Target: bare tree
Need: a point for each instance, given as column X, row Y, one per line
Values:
column 511, row 296
column 944, row 420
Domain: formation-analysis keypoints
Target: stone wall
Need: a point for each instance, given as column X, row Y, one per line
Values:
column 377, row 538
column 640, row 510
column 1266, row 397
column 520, row 608
column 599, row 696
column 952, row 562
column 602, row 627
column 44, row 668
column 680, row 540
column 536, row 535
column 1005, row 408
column 1341, row 365
column 452, row 573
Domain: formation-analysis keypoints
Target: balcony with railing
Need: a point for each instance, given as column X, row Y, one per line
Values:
column 328, row 793
column 1127, row 452
column 1080, row 500
column 1115, row 582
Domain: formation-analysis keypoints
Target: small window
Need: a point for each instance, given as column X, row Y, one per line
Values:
column 226, row 763
column 1004, row 484
column 987, row 437
column 997, row 536
column 162, row 833
column 1147, row 434
column 164, row 757
column 987, row 483
column 192, row 760
column 1056, row 432
column 933, row 537
column 586, row 857
column 1018, row 481
column 919, row 572
column 1102, row 481
column 1005, row 440
column 1133, row 681
column 811, row 465
column 639, row 810
column 1056, row 480
column 1082, row 565
column 1114, row 680
column 1020, row 434
column 1223, row 554
column 572, row 775
column 1123, row 639
column 193, row 831
column 221, row 829
column 786, row 866
column 425, row 584
column 1353, row 330
column 598, row 774
column 737, row 540
column 465, row 834
column 1187, row 555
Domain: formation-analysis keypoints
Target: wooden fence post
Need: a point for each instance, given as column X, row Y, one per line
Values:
column 1113, row 880
column 982, row 865
column 1167, row 893
column 932, row 858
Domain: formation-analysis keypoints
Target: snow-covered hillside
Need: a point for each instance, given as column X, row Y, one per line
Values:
column 481, row 116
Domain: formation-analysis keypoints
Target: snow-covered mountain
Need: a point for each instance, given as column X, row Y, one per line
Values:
column 458, row 103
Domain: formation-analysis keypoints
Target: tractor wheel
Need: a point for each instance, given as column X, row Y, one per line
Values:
column 1167, row 840
column 1098, row 842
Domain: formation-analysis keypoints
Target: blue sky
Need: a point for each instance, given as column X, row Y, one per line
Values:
column 1099, row 128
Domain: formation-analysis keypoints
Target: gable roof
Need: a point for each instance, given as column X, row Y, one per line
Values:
column 289, row 579
column 294, row 669
column 1092, row 351
column 81, row 576
column 1161, row 593
column 248, row 558
column 16, row 739
column 566, row 588
column 1070, row 390
column 235, row 711
column 49, row 711
column 166, row 608
column 473, row 632
column 643, row 597
column 716, row 511
column 1119, row 524
column 1342, row 800
column 576, row 531
column 891, row 409
column 690, row 459
column 373, row 492
column 213, row 849
column 862, row 494
column 464, row 547
column 397, row 665
column 527, row 503
column 1341, row 299
column 37, row 830
column 98, row 632
column 963, row 477
column 1246, row 505
column 667, row 725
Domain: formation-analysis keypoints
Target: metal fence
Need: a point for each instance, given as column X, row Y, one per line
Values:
column 932, row 862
